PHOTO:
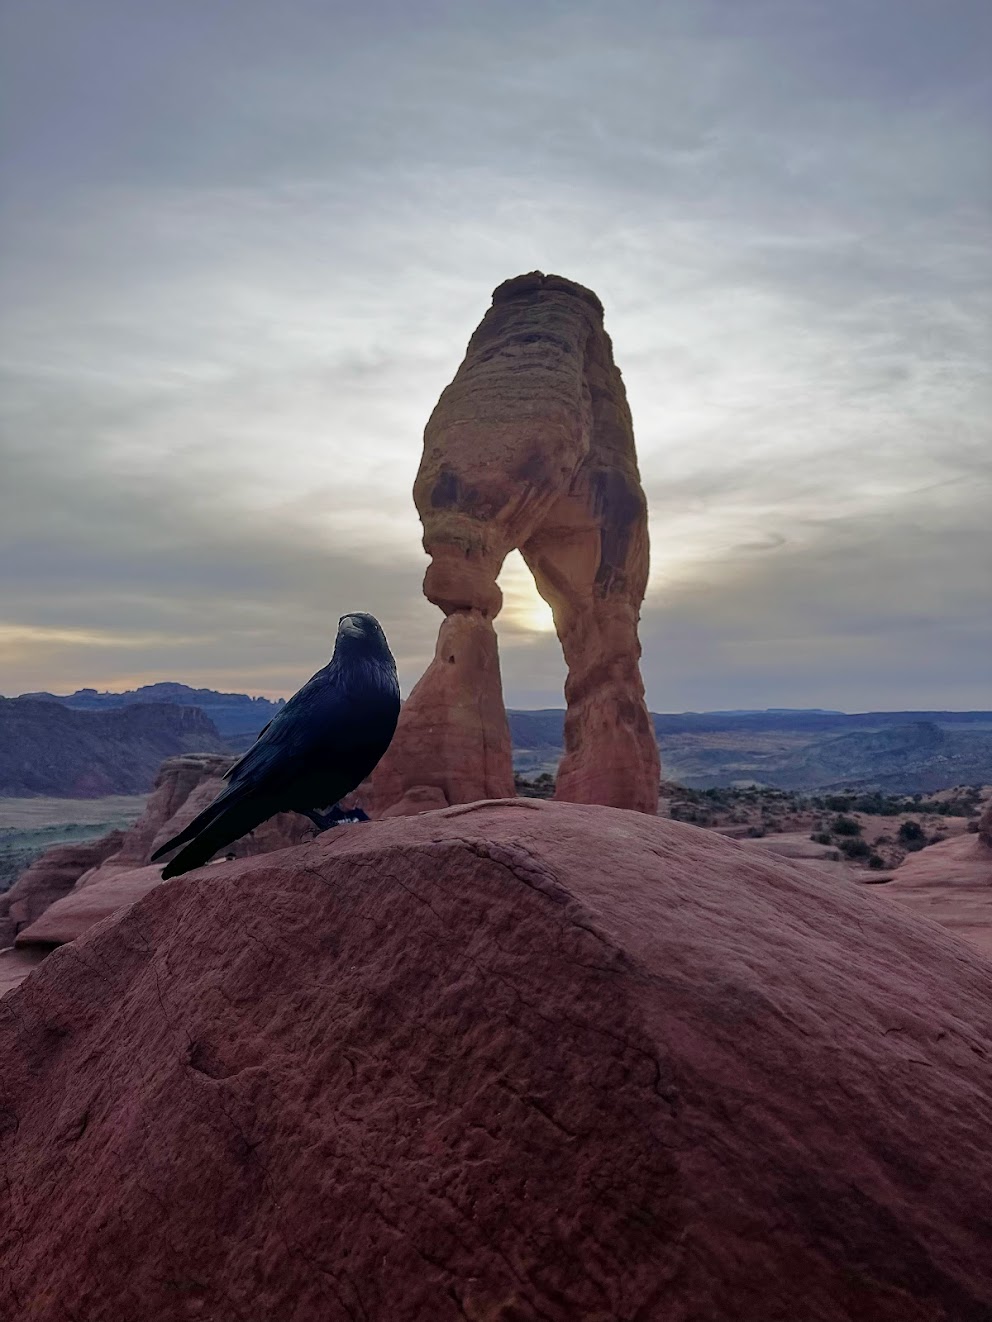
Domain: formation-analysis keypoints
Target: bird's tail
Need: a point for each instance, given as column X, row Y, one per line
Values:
column 229, row 817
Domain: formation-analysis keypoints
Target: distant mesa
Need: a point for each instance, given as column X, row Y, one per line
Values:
column 51, row 749
column 530, row 447
column 231, row 713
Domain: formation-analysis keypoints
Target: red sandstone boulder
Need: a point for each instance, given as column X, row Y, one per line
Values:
column 511, row 1061
column 49, row 878
column 89, row 904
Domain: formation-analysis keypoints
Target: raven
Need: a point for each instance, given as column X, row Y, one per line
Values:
column 323, row 743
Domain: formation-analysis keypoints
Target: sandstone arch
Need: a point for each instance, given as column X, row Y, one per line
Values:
column 530, row 447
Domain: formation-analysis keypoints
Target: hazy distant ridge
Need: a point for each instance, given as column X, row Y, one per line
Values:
column 231, row 713
column 548, row 723
column 805, row 748
column 896, row 752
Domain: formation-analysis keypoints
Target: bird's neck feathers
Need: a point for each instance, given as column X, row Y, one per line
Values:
column 374, row 665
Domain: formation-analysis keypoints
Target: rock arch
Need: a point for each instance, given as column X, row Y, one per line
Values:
column 531, row 447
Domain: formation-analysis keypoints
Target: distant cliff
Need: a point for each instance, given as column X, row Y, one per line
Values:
column 231, row 713
column 48, row 748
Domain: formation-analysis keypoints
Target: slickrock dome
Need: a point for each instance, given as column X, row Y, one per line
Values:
column 517, row 1060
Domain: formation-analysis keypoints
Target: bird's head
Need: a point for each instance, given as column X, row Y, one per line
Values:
column 360, row 636
column 358, row 624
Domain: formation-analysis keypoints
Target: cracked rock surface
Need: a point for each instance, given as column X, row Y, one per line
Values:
column 512, row 1060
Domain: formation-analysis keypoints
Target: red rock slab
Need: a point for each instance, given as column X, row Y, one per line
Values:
column 516, row 1060
column 15, row 965
column 950, row 883
column 48, row 878
column 83, row 908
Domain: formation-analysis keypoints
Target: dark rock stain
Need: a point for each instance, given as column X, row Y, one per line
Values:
column 618, row 505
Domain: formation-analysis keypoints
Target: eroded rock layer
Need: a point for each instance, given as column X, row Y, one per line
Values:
column 532, row 447
column 507, row 1061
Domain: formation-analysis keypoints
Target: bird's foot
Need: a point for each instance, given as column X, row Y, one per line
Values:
column 334, row 817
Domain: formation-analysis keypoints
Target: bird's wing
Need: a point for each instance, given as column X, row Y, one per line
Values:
column 319, row 718
column 234, row 765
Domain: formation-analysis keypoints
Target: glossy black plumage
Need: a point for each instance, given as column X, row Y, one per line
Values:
column 320, row 747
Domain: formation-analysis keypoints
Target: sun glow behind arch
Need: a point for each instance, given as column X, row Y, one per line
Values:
column 523, row 606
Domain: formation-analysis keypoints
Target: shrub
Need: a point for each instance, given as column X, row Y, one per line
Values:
column 855, row 848
column 910, row 831
column 876, row 861
column 881, row 805
column 541, row 788
column 688, row 812
column 821, row 838
column 846, row 826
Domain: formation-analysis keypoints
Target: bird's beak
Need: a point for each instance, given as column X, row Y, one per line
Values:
column 350, row 626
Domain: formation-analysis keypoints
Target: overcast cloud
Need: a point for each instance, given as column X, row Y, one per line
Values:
column 244, row 244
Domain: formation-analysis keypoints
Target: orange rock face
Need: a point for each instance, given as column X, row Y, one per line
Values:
column 531, row 447
column 455, row 742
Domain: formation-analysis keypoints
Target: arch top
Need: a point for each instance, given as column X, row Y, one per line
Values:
column 534, row 282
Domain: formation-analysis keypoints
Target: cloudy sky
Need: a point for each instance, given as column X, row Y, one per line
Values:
column 244, row 244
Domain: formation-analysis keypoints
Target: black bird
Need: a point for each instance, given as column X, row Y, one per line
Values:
column 323, row 744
